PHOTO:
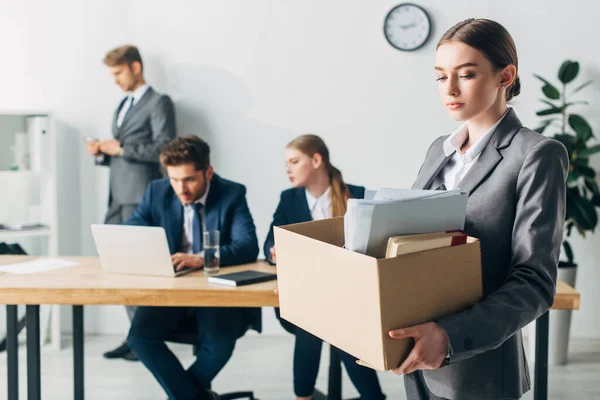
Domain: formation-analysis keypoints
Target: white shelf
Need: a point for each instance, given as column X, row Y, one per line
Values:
column 32, row 194
column 23, row 113
column 24, row 174
column 25, row 233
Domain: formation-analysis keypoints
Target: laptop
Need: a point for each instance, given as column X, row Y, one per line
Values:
column 137, row 250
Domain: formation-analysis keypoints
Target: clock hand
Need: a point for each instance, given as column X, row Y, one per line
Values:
column 407, row 26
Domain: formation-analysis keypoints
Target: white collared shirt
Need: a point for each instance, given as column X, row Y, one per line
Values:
column 131, row 100
column 458, row 166
column 188, row 223
column 320, row 208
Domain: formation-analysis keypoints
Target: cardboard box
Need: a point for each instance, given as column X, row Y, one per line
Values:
column 352, row 300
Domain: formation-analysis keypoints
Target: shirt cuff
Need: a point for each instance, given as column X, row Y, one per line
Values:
column 460, row 342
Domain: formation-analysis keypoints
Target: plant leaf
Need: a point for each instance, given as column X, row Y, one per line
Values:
column 568, row 141
column 577, row 89
column 596, row 200
column 568, row 71
column 573, row 180
column 585, row 171
column 581, row 126
column 551, row 92
column 571, row 210
column 582, row 211
column 552, row 105
column 542, row 79
column 589, row 151
column 549, row 111
column 569, row 227
column 568, row 251
column 580, row 230
column 543, row 125
column 548, row 89
column 591, row 184
column 572, row 103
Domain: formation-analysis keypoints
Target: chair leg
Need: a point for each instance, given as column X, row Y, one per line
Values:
column 20, row 326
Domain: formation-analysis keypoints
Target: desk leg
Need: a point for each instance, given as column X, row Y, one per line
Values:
column 12, row 352
column 334, row 390
column 34, row 387
column 78, row 380
column 540, row 386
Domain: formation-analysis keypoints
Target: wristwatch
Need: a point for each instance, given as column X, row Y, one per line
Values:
column 120, row 152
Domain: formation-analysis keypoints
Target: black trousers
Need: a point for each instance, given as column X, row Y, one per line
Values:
column 307, row 357
column 150, row 328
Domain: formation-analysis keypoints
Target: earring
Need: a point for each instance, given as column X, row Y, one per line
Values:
column 502, row 86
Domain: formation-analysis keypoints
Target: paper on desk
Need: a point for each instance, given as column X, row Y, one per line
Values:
column 38, row 265
column 368, row 224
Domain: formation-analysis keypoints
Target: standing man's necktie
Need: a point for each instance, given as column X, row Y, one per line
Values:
column 126, row 108
column 197, row 228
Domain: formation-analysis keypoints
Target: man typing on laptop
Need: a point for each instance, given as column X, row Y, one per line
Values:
column 193, row 198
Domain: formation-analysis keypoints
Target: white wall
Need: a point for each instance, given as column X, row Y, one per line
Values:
column 249, row 76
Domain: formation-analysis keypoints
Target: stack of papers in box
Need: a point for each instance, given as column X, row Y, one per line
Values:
column 370, row 222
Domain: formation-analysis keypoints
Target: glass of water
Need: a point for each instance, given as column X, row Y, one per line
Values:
column 211, row 251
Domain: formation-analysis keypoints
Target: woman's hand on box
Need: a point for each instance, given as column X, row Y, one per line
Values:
column 430, row 349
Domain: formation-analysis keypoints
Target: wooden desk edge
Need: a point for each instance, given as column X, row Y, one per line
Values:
column 567, row 298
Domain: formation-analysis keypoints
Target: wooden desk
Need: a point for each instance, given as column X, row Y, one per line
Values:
column 566, row 298
column 88, row 284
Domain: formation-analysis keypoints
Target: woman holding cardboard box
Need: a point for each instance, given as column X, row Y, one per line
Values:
column 515, row 178
column 317, row 192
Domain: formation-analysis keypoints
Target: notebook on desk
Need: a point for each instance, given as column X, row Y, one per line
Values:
column 242, row 278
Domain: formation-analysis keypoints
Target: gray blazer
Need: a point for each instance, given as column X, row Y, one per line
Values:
column 147, row 127
column 516, row 208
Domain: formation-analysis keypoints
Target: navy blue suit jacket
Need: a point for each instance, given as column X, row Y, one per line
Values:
column 226, row 209
column 293, row 209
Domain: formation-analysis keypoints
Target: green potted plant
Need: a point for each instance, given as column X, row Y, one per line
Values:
column 583, row 195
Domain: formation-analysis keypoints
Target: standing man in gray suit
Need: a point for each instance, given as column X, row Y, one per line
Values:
column 142, row 124
column 515, row 178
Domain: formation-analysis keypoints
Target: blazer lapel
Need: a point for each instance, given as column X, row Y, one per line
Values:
column 489, row 158
column 491, row 155
column 212, row 208
column 135, row 109
column 175, row 217
column 115, row 128
column 430, row 172
column 301, row 206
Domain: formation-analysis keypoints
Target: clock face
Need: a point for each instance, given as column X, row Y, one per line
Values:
column 407, row 27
